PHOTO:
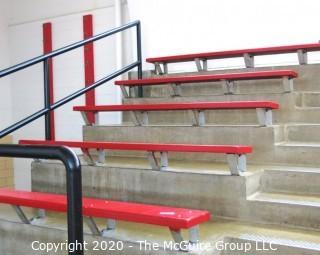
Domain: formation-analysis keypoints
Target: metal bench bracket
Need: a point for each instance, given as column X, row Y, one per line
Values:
column 199, row 118
column 229, row 87
column 287, row 84
column 248, row 60
column 264, row 116
column 302, row 57
column 159, row 70
column 237, row 163
column 202, row 64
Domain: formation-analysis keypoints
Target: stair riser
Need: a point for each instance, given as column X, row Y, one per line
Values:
column 305, row 82
column 295, row 182
column 304, row 133
column 223, row 196
column 217, row 193
column 300, row 155
column 286, row 101
column 282, row 213
column 190, row 135
column 311, row 99
column 264, row 150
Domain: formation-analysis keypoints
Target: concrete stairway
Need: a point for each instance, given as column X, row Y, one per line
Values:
column 280, row 190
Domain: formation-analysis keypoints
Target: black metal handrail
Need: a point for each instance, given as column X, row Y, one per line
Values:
column 74, row 185
column 45, row 59
column 70, row 160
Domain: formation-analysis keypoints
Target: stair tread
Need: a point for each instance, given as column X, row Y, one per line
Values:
column 299, row 144
column 294, row 199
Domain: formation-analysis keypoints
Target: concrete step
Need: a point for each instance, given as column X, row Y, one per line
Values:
column 297, row 153
column 305, row 82
column 309, row 133
column 295, row 210
column 241, row 134
column 261, row 244
column 286, row 101
column 283, row 198
column 301, row 181
column 289, row 112
column 265, row 151
column 308, row 99
column 223, row 195
column 16, row 237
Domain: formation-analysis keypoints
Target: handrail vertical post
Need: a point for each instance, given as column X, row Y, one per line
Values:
column 47, row 96
column 74, row 185
column 139, row 58
column 74, row 199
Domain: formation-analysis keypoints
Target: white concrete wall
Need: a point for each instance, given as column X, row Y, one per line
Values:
column 172, row 27
column 25, row 30
column 5, row 95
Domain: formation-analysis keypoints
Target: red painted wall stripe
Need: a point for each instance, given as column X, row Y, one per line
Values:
column 89, row 64
column 47, row 47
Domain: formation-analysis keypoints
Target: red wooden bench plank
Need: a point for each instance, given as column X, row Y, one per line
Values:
column 180, row 106
column 228, row 149
column 174, row 218
column 210, row 78
column 236, row 53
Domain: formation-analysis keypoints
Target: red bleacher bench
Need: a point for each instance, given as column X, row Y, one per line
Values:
column 248, row 55
column 140, row 111
column 229, row 79
column 175, row 219
column 236, row 154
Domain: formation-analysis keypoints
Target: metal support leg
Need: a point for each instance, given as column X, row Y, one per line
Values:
column 85, row 119
column 87, row 154
column 41, row 213
column 202, row 64
column 177, row 237
column 153, row 160
column 144, row 118
column 198, row 118
column 124, row 92
column 159, row 70
column 264, row 116
column 21, row 214
column 194, row 235
column 111, row 226
column 302, row 57
column 248, row 60
column 101, row 156
column 135, row 118
column 205, row 65
column 237, row 163
column 164, row 160
column 229, row 87
column 287, row 84
column 165, row 68
column 97, row 119
column 140, row 118
column 176, row 89
column 92, row 226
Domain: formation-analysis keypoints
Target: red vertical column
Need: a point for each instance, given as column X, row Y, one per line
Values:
column 47, row 48
column 89, row 64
